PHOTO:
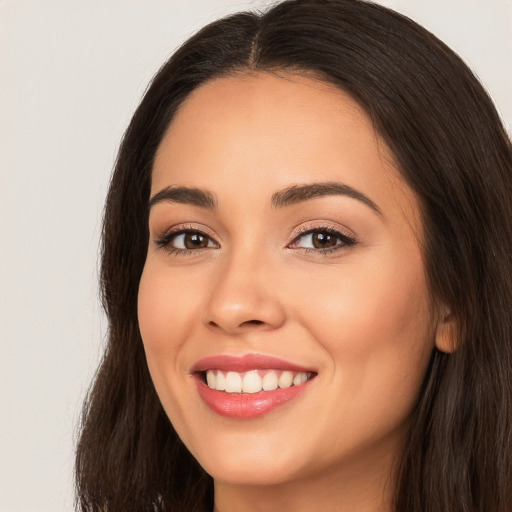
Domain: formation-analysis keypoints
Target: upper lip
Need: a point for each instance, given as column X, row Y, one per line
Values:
column 246, row 362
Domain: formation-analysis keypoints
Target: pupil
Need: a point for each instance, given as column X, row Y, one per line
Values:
column 195, row 240
column 322, row 240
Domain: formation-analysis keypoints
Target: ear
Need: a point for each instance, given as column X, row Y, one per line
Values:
column 446, row 332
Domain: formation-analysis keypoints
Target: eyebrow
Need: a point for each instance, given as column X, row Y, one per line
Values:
column 289, row 196
column 299, row 193
column 184, row 195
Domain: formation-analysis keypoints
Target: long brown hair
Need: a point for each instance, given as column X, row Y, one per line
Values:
column 452, row 150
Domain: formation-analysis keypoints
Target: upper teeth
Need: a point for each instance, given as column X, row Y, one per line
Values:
column 254, row 381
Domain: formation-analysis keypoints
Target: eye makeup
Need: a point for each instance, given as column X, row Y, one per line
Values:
column 322, row 239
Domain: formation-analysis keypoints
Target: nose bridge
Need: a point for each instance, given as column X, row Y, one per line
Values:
column 243, row 296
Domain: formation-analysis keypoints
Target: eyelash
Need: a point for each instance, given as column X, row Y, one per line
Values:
column 164, row 241
column 346, row 241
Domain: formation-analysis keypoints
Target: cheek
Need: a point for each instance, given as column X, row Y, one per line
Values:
column 154, row 314
column 376, row 327
column 165, row 312
column 166, row 308
column 368, row 304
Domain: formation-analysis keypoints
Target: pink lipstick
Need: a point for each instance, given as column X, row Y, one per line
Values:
column 249, row 386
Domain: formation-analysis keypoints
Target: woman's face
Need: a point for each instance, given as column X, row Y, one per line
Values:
column 283, row 247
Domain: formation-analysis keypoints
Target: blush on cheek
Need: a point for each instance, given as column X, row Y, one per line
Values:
column 166, row 317
column 380, row 330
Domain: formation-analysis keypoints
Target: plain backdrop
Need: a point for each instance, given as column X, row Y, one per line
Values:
column 71, row 74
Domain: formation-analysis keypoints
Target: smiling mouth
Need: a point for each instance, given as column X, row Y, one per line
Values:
column 249, row 386
column 253, row 381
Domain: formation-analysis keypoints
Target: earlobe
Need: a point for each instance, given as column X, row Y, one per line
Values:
column 446, row 332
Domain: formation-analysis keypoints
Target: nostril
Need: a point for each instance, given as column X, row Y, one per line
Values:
column 247, row 322
column 252, row 322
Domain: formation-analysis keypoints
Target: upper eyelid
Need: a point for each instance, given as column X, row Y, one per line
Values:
column 167, row 236
column 186, row 228
column 312, row 228
column 346, row 237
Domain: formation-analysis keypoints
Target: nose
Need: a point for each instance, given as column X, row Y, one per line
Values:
column 244, row 297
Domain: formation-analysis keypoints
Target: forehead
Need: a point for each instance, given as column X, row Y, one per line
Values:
column 290, row 107
column 260, row 132
column 269, row 94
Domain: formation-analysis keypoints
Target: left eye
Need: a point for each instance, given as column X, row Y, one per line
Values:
column 322, row 239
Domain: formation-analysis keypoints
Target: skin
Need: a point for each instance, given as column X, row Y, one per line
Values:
column 360, row 315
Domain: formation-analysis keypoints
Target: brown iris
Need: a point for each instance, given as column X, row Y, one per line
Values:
column 195, row 241
column 323, row 240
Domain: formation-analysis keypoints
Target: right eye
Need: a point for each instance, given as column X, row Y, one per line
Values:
column 184, row 241
column 191, row 240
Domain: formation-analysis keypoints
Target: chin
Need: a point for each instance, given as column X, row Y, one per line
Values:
column 244, row 473
column 256, row 463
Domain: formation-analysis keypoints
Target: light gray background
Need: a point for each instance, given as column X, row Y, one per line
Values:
column 71, row 74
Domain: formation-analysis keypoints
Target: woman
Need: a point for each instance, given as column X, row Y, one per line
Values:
column 306, row 268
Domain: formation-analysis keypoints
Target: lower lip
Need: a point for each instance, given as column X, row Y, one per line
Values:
column 247, row 405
